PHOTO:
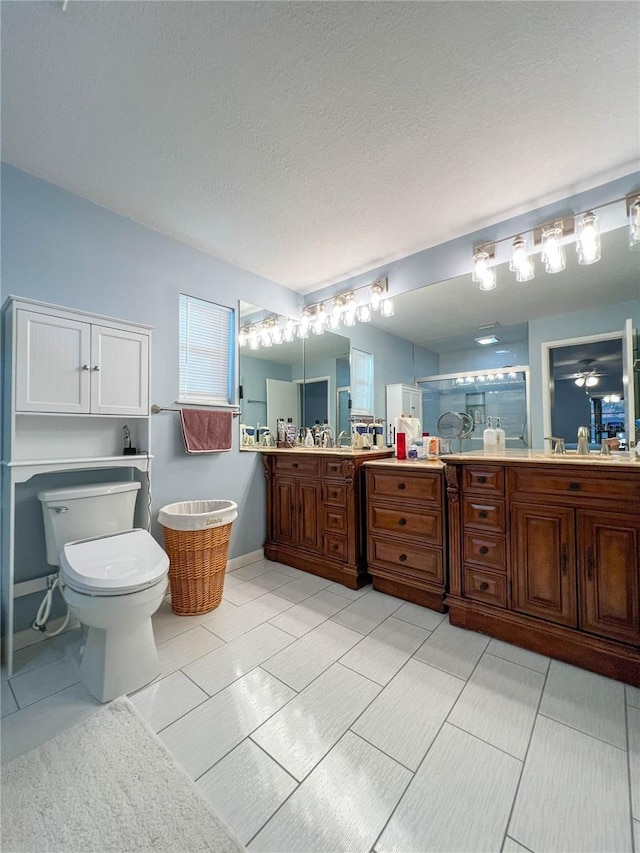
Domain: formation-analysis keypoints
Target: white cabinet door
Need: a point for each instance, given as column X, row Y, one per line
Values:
column 52, row 364
column 119, row 372
column 412, row 402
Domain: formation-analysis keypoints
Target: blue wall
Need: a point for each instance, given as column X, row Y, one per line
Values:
column 62, row 249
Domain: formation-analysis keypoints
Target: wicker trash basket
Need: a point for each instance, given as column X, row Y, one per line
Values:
column 196, row 537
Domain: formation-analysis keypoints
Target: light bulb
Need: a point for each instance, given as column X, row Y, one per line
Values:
column 588, row 239
column 350, row 309
column 591, row 381
column 634, row 225
column 521, row 264
column 552, row 249
column 305, row 322
column 483, row 275
column 364, row 314
column 580, row 381
column 387, row 308
column 376, row 297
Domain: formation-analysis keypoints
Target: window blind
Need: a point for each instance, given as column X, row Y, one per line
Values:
column 206, row 351
column 361, row 382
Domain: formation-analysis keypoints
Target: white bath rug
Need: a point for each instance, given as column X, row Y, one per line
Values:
column 107, row 784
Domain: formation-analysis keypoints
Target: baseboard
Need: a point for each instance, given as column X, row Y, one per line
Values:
column 29, row 637
column 245, row 560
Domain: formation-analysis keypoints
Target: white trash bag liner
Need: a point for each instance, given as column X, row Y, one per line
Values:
column 196, row 515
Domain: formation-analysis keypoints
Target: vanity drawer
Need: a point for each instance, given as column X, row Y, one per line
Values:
column 335, row 546
column 486, row 549
column 334, row 493
column 485, row 515
column 483, row 479
column 408, row 558
column 338, row 468
column 423, row 525
column 335, row 521
column 425, row 487
column 300, row 465
column 485, row 586
column 618, row 485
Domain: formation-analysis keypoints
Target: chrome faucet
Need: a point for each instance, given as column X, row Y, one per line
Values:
column 344, row 434
column 558, row 444
column 605, row 448
column 326, row 436
column 583, row 441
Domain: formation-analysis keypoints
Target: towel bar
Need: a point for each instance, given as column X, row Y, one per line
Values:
column 155, row 410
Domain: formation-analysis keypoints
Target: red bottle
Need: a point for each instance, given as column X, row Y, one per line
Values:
column 401, row 445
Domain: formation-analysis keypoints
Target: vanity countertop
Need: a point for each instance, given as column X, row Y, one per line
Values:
column 616, row 460
column 415, row 464
column 347, row 452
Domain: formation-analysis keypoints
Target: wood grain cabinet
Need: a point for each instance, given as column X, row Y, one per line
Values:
column 548, row 557
column 406, row 541
column 315, row 513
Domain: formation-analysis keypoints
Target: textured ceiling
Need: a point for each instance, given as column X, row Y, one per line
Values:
column 310, row 141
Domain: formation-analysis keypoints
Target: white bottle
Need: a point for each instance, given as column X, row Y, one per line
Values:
column 501, row 437
column 489, row 438
column 308, row 439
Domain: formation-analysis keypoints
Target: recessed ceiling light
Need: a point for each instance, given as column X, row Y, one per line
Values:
column 486, row 326
column 501, row 351
column 490, row 339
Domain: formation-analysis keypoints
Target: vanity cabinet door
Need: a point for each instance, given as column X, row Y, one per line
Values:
column 609, row 569
column 309, row 496
column 284, row 510
column 543, row 565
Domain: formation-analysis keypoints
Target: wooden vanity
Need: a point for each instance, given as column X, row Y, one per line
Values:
column 315, row 511
column 544, row 552
column 406, row 530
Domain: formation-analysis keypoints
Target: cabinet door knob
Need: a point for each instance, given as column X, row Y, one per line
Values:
column 86, row 367
column 95, row 367
column 484, row 586
column 402, row 557
column 482, row 479
column 402, row 522
column 484, row 550
column 294, row 465
column 483, row 513
column 402, row 486
column 574, row 487
column 563, row 559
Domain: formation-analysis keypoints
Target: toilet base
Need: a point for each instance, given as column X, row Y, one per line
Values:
column 109, row 669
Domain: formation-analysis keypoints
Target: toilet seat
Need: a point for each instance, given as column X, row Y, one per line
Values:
column 113, row 565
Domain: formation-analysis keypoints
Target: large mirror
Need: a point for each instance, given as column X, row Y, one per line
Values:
column 432, row 336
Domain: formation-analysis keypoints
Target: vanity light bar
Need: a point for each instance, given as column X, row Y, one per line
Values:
column 551, row 238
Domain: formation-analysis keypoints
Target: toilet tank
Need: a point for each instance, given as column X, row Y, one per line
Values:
column 80, row 512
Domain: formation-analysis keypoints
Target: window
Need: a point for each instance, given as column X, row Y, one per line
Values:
column 207, row 342
column 361, row 382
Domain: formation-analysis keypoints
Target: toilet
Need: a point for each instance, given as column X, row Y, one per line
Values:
column 112, row 578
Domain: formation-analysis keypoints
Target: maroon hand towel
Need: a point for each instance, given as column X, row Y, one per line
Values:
column 206, row 431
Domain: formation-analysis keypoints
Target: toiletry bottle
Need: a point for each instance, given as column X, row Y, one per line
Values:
column 291, row 432
column 401, row 445
column 281, row 432
column 308, row 439
column 501, row 436
column 489, row 442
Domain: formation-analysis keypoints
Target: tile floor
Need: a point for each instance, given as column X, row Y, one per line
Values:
column 314, row 717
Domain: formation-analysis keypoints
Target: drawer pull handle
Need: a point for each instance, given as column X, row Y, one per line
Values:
column 294, row 465
column 402, row 557
column 574, row 487
column 402, row 522
column 563, row 560
column 484, row 550
column 402, row 486
column 482, row 479
column 483, row 513
column 334, row 547
column 590, row 564
column 484, row 586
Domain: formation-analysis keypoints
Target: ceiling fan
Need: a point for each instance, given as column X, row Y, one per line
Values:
column 587, row 376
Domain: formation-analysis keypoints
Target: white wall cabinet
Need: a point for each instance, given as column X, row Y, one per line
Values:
column 403, row 400
column 71, row 382
column 69, row 366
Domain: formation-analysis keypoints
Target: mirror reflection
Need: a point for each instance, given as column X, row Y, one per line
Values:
column 432, row 338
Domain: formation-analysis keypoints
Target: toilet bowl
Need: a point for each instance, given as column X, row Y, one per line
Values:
column 113, row 585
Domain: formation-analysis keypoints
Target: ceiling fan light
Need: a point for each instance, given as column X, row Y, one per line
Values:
column 591, row 381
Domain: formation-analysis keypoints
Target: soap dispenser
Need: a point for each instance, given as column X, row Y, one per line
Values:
column 489, row 437
column 501, row 436
column 308, row 439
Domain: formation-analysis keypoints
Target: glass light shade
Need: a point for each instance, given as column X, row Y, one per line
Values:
column 588, row 238
column 580, row 381
column 277, row 335
column 521, row 264
column 489, row 280
column 254, row 338
column 335, row 320
column 305, row 323
column 289, row 330
column 337, row 307
column 591, row 381
column 553, row 250
column 243, row 338
column 376, row 297
column 265, row 336
column 350, row 310
column 364, row 314
column 634, row 225
column 387, row 308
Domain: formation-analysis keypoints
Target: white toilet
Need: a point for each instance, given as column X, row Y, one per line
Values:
column 113, row 579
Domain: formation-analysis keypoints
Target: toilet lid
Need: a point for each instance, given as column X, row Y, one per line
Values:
column 113, row 565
